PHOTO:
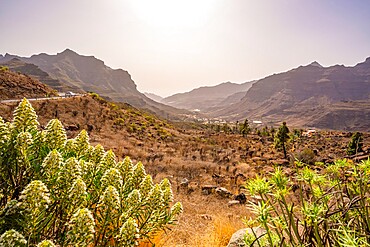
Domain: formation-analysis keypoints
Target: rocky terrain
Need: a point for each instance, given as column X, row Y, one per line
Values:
column 206, row 167
column 16, row 86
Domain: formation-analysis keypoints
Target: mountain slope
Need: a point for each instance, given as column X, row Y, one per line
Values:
column 153, row 96
column 34, row 71
column 302, row 93
column 205, row 97
column 88, row 73
column 16, row 86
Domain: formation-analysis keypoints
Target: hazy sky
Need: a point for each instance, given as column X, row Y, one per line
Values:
column 171, row 46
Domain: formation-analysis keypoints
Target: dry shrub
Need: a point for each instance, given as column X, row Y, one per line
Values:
column 206, row 221
column 220, row 232
column 306, row 156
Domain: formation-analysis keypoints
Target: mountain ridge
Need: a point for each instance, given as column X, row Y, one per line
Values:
column 17, row 65
column 287, row 95
column 88, row 73
column 204, row 97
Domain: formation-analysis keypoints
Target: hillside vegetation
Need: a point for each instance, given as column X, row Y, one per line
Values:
column 192, row 157
column 57, row 191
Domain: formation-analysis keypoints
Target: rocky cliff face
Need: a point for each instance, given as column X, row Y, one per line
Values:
column 87, row 73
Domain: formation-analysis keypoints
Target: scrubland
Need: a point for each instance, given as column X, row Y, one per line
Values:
column 192, row 156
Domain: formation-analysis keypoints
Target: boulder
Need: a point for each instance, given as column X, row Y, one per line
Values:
column 206, row 217
column 233, row 203
column 72, row 127
column 241, row 198
column 223, row 192
column 208, row 189
column 237, row 239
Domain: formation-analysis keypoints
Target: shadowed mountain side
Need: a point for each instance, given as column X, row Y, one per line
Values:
column 206, row 97
column 88, row 73
column 304, row 91
column 351, row 116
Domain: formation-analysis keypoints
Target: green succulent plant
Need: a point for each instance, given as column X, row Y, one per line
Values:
column 56, row 191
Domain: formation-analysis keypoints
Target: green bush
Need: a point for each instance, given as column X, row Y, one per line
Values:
column 281, row 138
column 355, row 144
column 98, row 98
column 245, row 128
column 65, row 192
column 313, row 209
column 4, row 68
column 306, row 156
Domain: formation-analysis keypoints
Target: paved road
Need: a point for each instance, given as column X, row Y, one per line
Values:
column 40, row 99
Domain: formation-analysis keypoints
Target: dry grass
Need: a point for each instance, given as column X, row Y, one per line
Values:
column 206, row 221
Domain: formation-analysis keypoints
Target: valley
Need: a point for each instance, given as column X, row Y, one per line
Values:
column 142, row 123
column 307, row 96
column 206, row 156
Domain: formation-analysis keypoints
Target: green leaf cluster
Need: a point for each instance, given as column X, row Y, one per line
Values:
column 327, row 208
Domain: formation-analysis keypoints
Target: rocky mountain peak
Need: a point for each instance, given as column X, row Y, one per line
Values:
column 365, row 63
column 316, row 64
column 9, row 56
column 68, row 52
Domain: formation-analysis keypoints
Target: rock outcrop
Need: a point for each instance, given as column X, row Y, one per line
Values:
column 237, row 239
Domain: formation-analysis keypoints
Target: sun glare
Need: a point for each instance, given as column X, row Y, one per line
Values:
column 173, row 13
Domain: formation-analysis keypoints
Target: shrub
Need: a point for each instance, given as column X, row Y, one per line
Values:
column 329, row 209
column 245, row 128
column 98, row 98
column 4, row 68
column 355, row 144
column 281, row 138
column 306, row 156
column 59, row 191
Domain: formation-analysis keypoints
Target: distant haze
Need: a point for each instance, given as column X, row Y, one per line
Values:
column 172, row 46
